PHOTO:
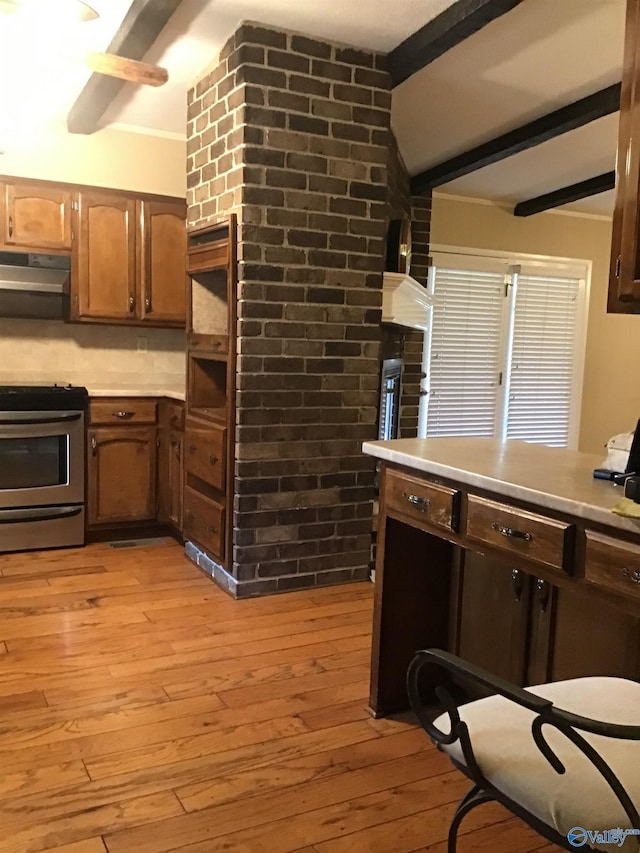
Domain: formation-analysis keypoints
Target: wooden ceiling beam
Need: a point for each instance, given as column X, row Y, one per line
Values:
column 574, row 192
column 141, row 26
column 535, row 132
column 445, row 31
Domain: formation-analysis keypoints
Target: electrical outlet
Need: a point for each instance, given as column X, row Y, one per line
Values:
column 142, row 344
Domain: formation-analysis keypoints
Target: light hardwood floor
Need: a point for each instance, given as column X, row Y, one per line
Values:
column 142, row 709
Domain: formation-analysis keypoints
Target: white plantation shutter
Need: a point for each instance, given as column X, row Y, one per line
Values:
column 466, row 342
column 504, row 353
column 539, row 395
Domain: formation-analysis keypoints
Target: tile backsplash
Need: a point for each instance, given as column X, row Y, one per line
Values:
column 91, row 355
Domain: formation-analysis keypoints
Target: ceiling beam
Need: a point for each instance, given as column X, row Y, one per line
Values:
column 584, row 189
column 141, row 26
column 542, row 129
column 446, row 30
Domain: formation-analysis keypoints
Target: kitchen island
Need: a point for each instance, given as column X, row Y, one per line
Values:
column 506, row 553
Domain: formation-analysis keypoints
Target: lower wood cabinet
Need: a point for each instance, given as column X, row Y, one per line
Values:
column 171, row 464
column 528, row 630
column 121, row 474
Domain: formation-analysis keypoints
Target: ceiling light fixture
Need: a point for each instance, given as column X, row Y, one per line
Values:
column 75, row 9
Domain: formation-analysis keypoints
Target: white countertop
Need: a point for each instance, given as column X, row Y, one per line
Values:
column 119, row 391
column 551, row 477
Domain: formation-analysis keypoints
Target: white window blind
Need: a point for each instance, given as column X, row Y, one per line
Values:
column 542, row 359
column 504, row 352
column 466, row 340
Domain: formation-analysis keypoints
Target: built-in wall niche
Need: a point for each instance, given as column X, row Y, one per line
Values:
column 210, row 304
column 207, row 391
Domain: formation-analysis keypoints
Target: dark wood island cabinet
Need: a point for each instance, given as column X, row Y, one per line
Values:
column 507, row 554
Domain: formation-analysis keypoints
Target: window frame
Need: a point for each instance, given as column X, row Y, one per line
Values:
column 527, row 264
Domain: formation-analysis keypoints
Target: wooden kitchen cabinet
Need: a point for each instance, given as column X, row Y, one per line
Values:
column 121, row 461
column 624, row 273
column 162, row 242
column 211, row 377
column 129, row 260
column 121, row 475
column 104, row 263
column 524, row 628
column 36, row 216
column 170, row 464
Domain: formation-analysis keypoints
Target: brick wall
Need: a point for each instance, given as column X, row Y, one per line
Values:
column 293, row 135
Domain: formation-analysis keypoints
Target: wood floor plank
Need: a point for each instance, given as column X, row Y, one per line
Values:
column 142, row 708
column 298, row 771
column 89, row 845
column 288, row 819
column 84, row 824
column 504, row 837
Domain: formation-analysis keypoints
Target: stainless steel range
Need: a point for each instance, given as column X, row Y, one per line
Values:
column 42, row 441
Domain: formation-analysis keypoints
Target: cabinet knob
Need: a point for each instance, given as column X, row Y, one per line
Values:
column 192, row 448
column 94, row 445
column 211, row 529
column 517, row 583
column 147, row 304
column 213, row 459
column 544, row 591
column 132, row 303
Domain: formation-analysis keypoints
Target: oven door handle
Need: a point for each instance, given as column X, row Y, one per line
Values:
column 37, row 513
column 11, row 418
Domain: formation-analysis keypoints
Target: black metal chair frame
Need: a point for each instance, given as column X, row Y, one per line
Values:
column 547, row 714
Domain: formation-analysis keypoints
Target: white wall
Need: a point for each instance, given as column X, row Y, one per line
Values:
column 108, row 158
column 611, row 394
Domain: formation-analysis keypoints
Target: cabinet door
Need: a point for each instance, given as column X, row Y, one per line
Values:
column 37, row 217
column 624, row 278
column 170, row 478
column 121, row 475
column 494, row 611
column 592, row 636
column 162, row 262
column 104, row 272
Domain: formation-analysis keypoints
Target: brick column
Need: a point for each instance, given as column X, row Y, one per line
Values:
column 292, row 134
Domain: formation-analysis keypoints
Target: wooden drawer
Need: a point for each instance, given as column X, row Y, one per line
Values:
column 612, row 564
column 125, row 410
column 426, row 504
column 518, row 533
column 204, row 453
column 204, row 522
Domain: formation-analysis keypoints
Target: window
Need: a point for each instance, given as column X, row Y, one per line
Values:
column 504, row 353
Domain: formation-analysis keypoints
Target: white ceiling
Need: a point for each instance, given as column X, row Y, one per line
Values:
column 538, row 57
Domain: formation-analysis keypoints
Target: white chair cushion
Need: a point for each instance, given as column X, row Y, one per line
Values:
column 509, row 759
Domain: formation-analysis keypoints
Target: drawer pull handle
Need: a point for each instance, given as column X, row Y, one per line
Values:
column 511, row 532
column 124, row 414
column 632, row 574
column 517, row 583
column 213, row 458
column 211, row 528
column 416, row 500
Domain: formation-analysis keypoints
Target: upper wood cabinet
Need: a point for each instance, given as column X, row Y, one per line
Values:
column 162, row 261
column 104, row 271
column 36, row 216
column 624, row 274
column 129, row 260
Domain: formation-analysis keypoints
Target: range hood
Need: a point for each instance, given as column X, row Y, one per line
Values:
column 34, row 286
column 405, row 302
